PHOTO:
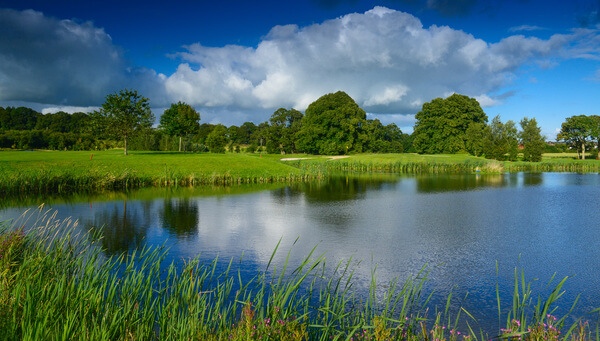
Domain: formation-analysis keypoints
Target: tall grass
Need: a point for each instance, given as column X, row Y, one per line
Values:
column 401, row 164
column 441, row 164
column 56, row 284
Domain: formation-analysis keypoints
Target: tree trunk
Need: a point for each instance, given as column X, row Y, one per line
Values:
column 125, row 142
column 179, row 143
column 583, row 150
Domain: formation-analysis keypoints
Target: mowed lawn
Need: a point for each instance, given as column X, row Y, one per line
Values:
column 145, row 164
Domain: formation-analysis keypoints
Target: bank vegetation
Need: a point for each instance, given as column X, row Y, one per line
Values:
column 56, row 284
column 53, row 172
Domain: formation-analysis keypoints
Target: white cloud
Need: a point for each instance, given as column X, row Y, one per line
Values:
column 387, row 96
column 68, row 109
column 384, row 59
column 486, row 101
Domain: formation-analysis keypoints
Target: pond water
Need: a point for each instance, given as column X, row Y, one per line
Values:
column 461, row 227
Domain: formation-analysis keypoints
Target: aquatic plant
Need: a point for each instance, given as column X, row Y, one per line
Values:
column 57, row 284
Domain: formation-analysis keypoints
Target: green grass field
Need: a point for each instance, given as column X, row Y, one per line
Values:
column 62, row 172
column 44, row 172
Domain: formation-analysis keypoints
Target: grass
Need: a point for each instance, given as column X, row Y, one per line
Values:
column 67, row 172
column 55, row 172
column 56, row 284
column 437, row 164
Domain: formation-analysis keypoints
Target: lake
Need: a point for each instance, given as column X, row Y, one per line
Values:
column 460, row 227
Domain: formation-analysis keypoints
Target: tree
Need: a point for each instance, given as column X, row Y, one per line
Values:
column 575, row 131
column 180, row 120
column 124, row 114
column 442, row 124
column 532, row 140
column 501, row 140
column 285, row 124
column 245, row 132
column 333, row 124
column 21, row 118
column 217, row 139
column 474, row 138
column 595, row 132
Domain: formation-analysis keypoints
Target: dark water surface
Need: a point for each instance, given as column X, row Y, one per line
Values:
column 459, row 226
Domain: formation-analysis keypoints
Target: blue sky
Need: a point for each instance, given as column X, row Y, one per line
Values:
column 238, row 61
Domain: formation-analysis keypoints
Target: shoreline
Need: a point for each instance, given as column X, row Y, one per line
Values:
column 48, row 172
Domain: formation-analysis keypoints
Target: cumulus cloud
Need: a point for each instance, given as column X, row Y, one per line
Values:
column 47, row 60
column 384, row 59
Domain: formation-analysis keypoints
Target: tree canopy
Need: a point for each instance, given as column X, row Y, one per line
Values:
column 180, row 120
column 442, row 124
column 125, row 113
column 576, row 130
column 501, row 140
column 284, row 125
column 532, row 140
column 332, row 125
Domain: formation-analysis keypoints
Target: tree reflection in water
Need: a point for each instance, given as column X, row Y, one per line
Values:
column 180, row 216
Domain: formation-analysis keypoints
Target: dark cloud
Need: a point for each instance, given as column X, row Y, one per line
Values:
column 47, row 60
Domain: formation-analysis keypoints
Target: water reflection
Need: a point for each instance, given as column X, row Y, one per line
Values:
column 122, row 229
column 180, row 216
column 458, row 182
column 458, row 226
column 344, row 187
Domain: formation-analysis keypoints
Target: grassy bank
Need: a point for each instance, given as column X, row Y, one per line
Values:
column 444, row 164
column 56, row 285
column 44, row 172
column 64, row 172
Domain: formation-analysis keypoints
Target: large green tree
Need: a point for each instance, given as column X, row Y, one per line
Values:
column 576, row 131
column 332, row 125
column 284, row 125
column 124, row 114
column 532, row 140
column 180, row 120
column 442, row 124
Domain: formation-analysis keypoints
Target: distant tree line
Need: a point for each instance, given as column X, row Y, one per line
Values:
column 332, row 125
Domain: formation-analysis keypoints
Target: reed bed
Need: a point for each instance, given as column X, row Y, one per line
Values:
column 56, row 284
column 402, row 164
column 579, row 166
column 441, row 164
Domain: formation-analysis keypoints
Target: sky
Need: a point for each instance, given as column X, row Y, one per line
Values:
column 237, row 60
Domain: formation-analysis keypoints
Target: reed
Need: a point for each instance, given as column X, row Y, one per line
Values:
column 56, row 284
